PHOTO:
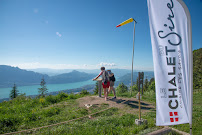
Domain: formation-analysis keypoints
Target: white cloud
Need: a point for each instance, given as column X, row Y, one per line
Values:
column 107, row 64
column 35, row 10
column 57, row 33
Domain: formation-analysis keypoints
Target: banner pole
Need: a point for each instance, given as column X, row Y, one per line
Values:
column 191, row 74
column 132, row 59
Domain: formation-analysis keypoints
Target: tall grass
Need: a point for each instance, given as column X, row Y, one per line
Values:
column 24, row 112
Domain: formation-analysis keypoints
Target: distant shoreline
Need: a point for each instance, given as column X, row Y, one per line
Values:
column 89, row 88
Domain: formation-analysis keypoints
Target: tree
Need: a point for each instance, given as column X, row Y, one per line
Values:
column 135, row 85
column 152, row 86
column 14, row 92
column 122, row 88
column 135, row 88
column 43, row 90
column 95, row 91
column 151, row 80
column 146, row 84
column 84, row 92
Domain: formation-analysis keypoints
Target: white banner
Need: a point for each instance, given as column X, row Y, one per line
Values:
column 170, row 29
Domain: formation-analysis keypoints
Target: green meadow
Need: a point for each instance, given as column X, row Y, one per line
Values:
column 24, row 113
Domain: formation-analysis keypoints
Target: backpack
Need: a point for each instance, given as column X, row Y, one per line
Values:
column 112, row 78
column 105, row 77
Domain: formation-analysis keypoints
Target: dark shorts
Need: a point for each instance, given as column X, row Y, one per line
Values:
column 106, row 86
column 111, row 83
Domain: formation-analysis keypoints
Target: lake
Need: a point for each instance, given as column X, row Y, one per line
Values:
column 33, row 89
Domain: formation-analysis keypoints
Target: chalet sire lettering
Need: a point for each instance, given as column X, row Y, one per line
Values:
column 171, row 60
column 170, row 30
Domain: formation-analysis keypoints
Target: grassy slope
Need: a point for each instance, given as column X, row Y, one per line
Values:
column 25, row 113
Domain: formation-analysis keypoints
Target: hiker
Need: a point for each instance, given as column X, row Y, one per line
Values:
column 112, row 80
column 105, row 81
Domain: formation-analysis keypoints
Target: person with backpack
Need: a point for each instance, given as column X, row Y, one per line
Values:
column 112, row 80
column 105, row 81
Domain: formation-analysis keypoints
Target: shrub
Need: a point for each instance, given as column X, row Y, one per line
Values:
column 52, row 99
column 62, row 95
column 72, row 96
column 135, row 87
column 35, row 101
column 51, row 111
column 84, row 92
column 30, row 117
column 9, row 123
column 95, row 91
column 152, row 86
column 22, row 97
column 122, row 88
column 42, row 101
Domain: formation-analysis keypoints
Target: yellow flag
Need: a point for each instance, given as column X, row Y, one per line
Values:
column 125, row 22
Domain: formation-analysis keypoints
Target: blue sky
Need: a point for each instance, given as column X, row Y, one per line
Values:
column 80, row 34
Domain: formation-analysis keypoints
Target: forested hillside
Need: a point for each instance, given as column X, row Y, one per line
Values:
column 197, row 68
column 10, row 75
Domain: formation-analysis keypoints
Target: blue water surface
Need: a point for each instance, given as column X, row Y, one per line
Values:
column 33, row 89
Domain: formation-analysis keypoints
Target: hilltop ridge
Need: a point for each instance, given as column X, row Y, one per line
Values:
column 11, row 75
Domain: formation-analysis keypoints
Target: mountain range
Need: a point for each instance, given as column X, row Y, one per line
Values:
column 53, row 72
column 74, row 76
column 122, row 75
column 10, row 75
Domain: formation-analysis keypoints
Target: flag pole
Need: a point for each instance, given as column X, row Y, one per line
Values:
column 132, row 59
column 190, row 73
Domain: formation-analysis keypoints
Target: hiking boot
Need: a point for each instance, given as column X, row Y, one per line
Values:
column 114, row 98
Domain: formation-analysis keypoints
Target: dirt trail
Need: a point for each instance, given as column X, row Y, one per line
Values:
column 128, row 105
